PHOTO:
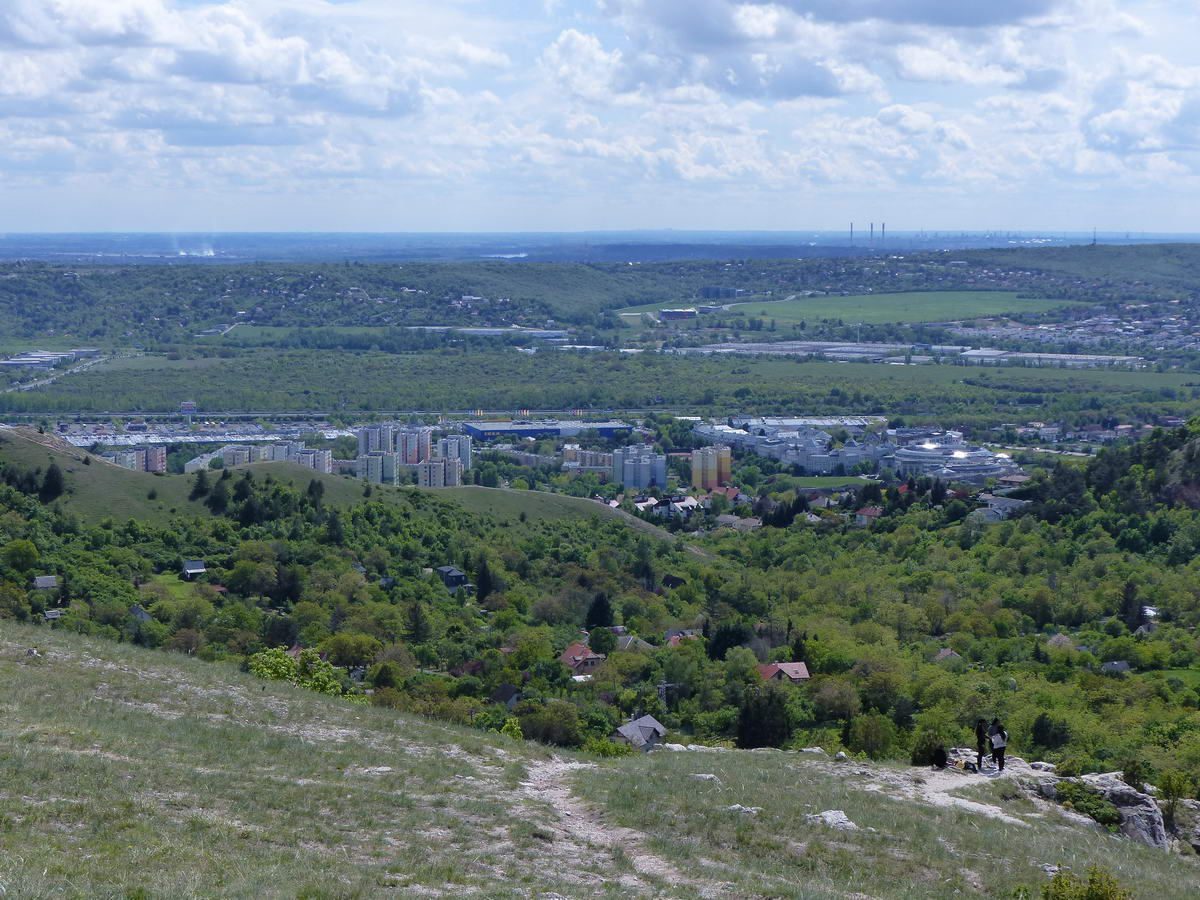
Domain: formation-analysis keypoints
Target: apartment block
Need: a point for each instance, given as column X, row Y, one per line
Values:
column 440, row 472
column 415, row 445
column 456, row 446
column 379, row 467
column 321, row 460
column 711, row 467
column 639, row 467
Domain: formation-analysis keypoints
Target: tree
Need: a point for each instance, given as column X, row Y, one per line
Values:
column 53, row 484
column 763, row 719
column 485, row 582
column 600, row 613
column 348, row 650
column 1174, row 785
column 1050, row 732
column 872, row 734
column 418, row 630
column 218, row 498
column 603, row 641
column 21, row 555
column 200, row 486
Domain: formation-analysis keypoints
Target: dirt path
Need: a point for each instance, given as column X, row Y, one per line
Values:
column 935, row 788
column 583, row 836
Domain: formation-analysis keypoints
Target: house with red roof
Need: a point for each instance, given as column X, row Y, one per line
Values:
column 580, row 659
column 867, row 515
column 795, row 672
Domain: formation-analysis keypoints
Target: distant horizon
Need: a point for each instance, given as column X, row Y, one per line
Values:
column 858, row 232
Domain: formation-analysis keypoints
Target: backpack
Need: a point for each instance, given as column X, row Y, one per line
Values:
column 999, row 739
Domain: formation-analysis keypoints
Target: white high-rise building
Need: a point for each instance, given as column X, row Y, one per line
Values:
column 638, row 467
column 457, row 446
column 440, row 472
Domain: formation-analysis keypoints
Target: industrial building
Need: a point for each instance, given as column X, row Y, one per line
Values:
column 487, row 431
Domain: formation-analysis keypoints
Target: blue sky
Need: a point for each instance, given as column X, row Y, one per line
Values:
column 469, row 115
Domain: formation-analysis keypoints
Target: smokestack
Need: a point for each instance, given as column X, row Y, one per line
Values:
column 883, row 236
column 851, row 234
column 872, row 232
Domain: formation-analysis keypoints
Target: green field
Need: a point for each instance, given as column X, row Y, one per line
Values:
column 880, row 309
column 506, row 505
column 829, row 481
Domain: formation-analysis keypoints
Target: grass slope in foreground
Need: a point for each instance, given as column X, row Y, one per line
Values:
column 128, row 772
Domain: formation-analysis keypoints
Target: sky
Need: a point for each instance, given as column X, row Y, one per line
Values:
column 530, row 115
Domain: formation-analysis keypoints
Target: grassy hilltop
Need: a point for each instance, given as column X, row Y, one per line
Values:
column 134, row 773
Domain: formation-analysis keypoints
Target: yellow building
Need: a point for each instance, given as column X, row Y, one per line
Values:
column 711, row 467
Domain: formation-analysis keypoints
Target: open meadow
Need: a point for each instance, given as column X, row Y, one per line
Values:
column 877, row 309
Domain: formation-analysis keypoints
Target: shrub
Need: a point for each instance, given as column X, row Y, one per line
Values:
column 1174, row 786
column 607, row 748
column 1135, row 773
column 1083, row 799
column 512, row 728
column 1100, row 885
column 924, row 746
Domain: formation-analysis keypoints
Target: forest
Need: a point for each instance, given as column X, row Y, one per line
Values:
column 455, row 379
column 139, row 305
column 1099, row 568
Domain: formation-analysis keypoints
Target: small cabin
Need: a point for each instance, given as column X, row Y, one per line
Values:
column 192, row 568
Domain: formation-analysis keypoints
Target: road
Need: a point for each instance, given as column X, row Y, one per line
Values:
column 74, row 370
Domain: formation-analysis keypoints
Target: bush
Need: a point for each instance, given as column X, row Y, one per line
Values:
column 924, row 747
column 1100, row 885
column 605, row 747
column 1083, row 799
column 512, row 728
column 1135, row 773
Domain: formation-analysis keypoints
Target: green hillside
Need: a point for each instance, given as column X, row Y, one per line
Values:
column 137, row 773
column 99, row 490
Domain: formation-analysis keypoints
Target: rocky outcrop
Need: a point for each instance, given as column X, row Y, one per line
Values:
column 1141, row 819
column 832, row 818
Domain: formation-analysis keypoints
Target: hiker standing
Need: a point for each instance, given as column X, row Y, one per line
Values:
column 999, row 742
column 981, row 741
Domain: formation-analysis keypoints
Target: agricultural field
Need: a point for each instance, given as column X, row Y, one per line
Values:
column 875, row 309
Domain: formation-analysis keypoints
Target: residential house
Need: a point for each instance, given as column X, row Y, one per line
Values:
column 794, row 672
column 1116, row 667
column 677, row 635
column 946, row 654
column 45, row 582
column 580, row 659
column 642, row 734
column 452, row 577
column 868, row 515
column 140, row 614
column 51, row 614
column 193, row 568
column 628, row 643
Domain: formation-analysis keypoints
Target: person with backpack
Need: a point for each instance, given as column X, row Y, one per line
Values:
column 999, row 742
column 981, row 741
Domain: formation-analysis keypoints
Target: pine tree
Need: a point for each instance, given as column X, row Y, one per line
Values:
column 52, row 484
column 200, row 487
column 600, row 613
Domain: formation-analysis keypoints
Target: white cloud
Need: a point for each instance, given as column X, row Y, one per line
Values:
column 727, row 104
